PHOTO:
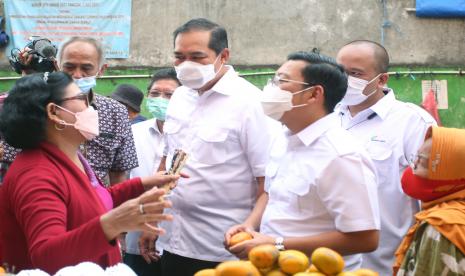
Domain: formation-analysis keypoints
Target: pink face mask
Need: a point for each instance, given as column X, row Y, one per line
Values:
column 86, row 122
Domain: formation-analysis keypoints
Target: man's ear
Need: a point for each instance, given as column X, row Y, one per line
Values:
column 383, row 79
column 318, row 94
column 225, row 55
column 102, row 70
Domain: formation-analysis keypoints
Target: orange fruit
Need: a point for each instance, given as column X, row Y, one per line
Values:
column 312, row 268
column 327, row 261
column 236, row 268
column 293, row 261
column 206, row 272
column 365, row 272
column 264, row 256
column 239, row 237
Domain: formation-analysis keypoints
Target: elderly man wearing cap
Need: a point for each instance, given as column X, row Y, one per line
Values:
column 131, row 97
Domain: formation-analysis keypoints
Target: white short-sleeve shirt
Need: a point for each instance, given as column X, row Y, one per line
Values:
column 391, row 131
column 149, row 147
column 224, row 132
column 320, row 180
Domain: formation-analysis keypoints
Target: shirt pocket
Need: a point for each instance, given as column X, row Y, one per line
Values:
column 210, row 146
column 299, row 188
column 381, row 154
column 171, row 131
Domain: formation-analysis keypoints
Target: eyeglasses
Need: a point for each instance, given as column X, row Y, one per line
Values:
column 88, row 97
column 157, row 93
column 415, row 159
column 277, row 80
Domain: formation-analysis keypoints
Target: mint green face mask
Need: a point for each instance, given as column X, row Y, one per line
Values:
column 157, row 107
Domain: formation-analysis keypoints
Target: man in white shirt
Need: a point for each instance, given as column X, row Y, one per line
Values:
column 320, row 185
column 148, row 138
column 217, row 119
column 391, row 131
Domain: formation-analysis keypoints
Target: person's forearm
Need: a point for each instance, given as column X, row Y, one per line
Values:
column 255, row 216
column 261, row 185
column 117, row 177
column 344, row 243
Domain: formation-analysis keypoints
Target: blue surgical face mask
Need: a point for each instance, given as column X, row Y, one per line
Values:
column 157, row 107
column 86, row 84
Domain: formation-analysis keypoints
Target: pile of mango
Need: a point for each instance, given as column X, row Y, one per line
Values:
column 266, row 260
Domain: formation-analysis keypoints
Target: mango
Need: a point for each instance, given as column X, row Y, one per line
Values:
column 264, row 256
column 206, row 272
column 365, row 272
column 327, row 261
column 236, row 268
column 239, row 237
column 293, row 261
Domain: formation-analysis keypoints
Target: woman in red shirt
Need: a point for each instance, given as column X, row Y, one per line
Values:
column 54, row 212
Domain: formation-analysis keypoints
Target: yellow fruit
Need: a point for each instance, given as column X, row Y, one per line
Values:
column 206, row 272
column 309, row 274
column 327, row 261
column 264, row 256
column 236, row 268
column 275, row 272
column 312, row 268
column 293, row 261
column 365, row 272
column 347, row 273
column 239, row 237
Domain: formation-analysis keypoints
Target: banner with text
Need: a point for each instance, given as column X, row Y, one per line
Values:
column 107, row 21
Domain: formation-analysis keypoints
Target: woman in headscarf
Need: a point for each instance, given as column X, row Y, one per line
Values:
column 435, row 244
column 54, row 212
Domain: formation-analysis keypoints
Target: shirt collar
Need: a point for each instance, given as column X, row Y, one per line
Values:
column 154, row 127
column 381, row 107
column 312, row 132
column 223, row 86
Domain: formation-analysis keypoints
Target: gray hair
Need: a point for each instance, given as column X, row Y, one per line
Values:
column 97, row 44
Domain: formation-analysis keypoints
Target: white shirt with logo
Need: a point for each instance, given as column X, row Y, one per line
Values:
column 391, row 136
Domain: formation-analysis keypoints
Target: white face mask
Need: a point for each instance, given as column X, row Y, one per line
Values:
column 276, row 101
column 195, row 75
column 355, row 87
column 86, row 122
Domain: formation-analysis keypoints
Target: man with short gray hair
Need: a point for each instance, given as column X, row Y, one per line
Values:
column 112, row 153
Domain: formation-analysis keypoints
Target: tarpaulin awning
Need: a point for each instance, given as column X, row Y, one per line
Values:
column 440, row 8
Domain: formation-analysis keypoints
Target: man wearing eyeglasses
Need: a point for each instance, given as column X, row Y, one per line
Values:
column 320, row 184
column 215, row 117
column 391, row 131
column 142, row 256
column 112, row 153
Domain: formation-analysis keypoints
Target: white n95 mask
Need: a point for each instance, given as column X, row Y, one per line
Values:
column 355, row 87
column 276, row 101
column 195, row 75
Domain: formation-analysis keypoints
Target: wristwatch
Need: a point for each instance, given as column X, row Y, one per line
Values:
column 279, row 243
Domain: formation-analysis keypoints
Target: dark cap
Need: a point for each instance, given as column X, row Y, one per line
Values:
column 129, row 95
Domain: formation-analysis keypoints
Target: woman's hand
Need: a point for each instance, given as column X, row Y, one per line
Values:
column 139, row 214
column 160, row 179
